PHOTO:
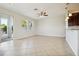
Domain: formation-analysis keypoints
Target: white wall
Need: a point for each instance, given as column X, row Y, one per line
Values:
column 19, row 31
column 51, row 26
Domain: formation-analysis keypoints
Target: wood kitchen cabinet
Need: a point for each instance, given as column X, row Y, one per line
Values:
column 73, row 20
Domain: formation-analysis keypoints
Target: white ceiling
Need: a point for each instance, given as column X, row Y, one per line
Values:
column 27, row 9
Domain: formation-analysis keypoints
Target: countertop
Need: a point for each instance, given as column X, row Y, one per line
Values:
column 73, row 28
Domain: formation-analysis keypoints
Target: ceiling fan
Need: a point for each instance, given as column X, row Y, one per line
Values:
column 42, row 12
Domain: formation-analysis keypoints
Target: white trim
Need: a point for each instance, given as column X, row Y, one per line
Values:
column 52, row 35
column 15, row 38
column 71, row 48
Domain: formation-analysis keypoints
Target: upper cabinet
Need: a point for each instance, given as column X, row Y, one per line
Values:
column 74, row 19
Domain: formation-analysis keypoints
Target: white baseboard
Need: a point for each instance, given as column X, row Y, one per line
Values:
column 51, row 35
column 23, row 37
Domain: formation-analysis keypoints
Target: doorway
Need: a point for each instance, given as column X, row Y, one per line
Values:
column 6, row 22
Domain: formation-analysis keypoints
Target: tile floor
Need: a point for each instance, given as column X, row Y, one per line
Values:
column 36, row 46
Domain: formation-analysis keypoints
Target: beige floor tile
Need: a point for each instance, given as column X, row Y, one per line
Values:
column 36, row 46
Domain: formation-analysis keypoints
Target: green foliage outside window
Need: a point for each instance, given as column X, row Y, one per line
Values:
column 3, row 27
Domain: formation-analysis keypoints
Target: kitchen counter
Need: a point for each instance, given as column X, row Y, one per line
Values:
column 73, row 28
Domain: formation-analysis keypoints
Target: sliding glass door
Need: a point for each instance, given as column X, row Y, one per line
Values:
column 6, row 24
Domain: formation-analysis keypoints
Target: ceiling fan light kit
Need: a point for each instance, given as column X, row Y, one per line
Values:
column 43, row 12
